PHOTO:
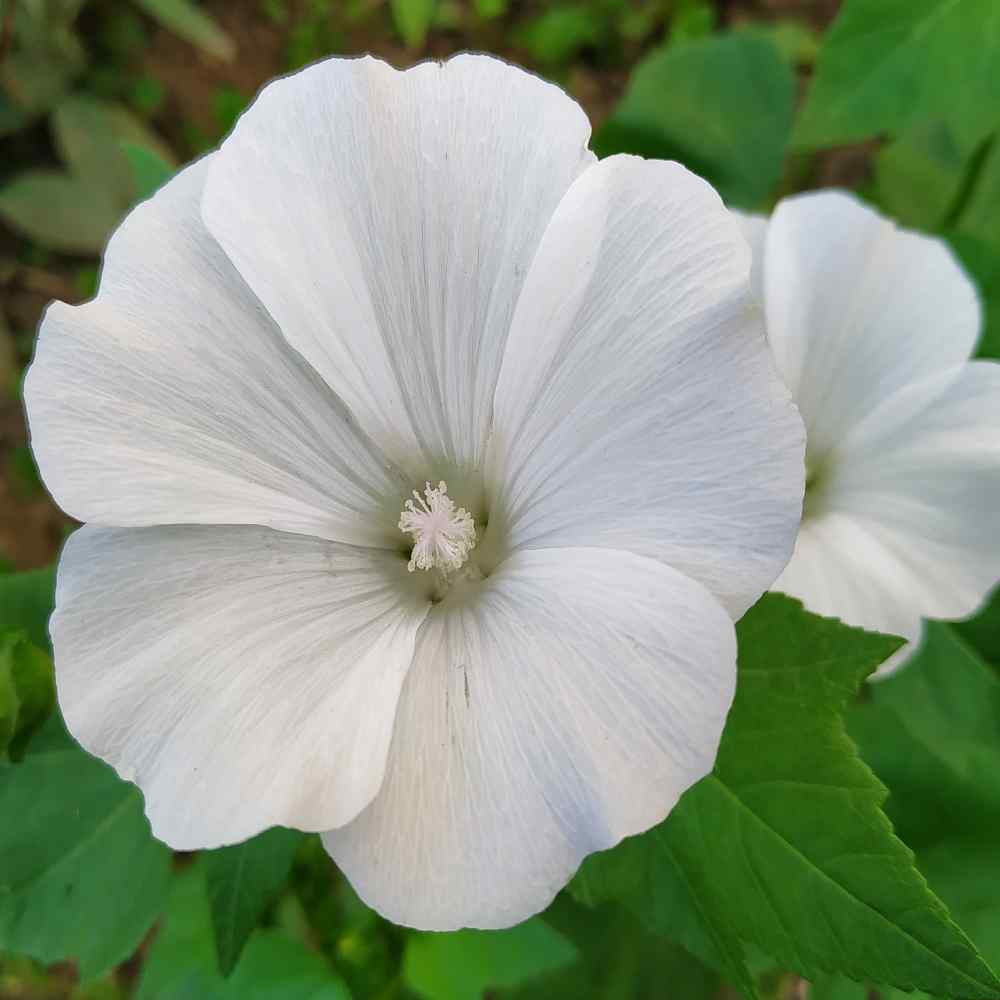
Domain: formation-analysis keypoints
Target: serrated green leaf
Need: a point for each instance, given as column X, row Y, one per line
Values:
column 181, row 963
column 59, row 211
column 786, row 842
column 242, row 880
column 932, row 733
column 887, row 65
column 465, row 964
column 26, row 602
column 27, row 690
column 413, row 20
column 80, row 874
column 721, row 105
column 186, row 20
column 149, row 170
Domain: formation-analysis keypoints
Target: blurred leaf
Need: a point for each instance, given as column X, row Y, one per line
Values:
column 80, row 874
column 557, row 35
column 90, row 135
column 149, row 171
column 691, row 20
column 27, row 690
column 932, row 733
column 722, row 106
column 797, row 41
column 919, row 175
column 982, row 262
column 617, row 961
column 488, row 9
column 59, row 211
column 786, row 842
column 242, row 880
column 45, row 58
column 887, row 65
column 185, row 19
column 980, row 215
column 277, row 967
column 181, row 964
column 228, row 104
column 26, row 601
column 413, row 20
column 465, row 964
column 22, row 473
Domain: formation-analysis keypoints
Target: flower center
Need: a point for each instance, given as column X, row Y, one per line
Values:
column 443, row 534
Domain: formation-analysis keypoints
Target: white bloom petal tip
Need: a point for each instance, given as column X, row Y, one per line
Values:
column 443, row 534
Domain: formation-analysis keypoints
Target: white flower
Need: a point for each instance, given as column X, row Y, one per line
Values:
column 872, row 328
column 384, row 281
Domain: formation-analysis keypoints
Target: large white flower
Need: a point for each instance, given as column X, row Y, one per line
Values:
column 872, row 328
column 427, row 462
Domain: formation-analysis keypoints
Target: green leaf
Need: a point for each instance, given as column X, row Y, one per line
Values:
column 413, row 20
column 242, row 880
column 887, row 65
column 488, row 9
column 27, row 690
column 181, row 962
column 59, row 211
column 80, row 874
column 149, row 170
column 785, row 844
column 919, row 176
column 980, row 218
column 617, row 961
column 26, row 601
column 183, row 18
column 932, row 733
column 721, row 105
column 278, row 967
column 982, row 631
column 982, row 262
column 90, row 135
column 465, row 964
column 555, row 36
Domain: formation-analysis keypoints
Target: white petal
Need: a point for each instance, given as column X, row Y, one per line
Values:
column 241, row 677
column 754, row 229
column 908, row 519
column 857, row 308
column 172, row 397
column 841, row 569
column 387, row 221
column 927, row 479
column 637, row 406
column 566, row 706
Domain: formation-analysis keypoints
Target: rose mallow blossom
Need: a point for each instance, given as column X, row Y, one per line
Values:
column 426, row 463
column 872, row 328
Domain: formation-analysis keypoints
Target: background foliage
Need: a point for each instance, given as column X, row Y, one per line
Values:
column 846, row 845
